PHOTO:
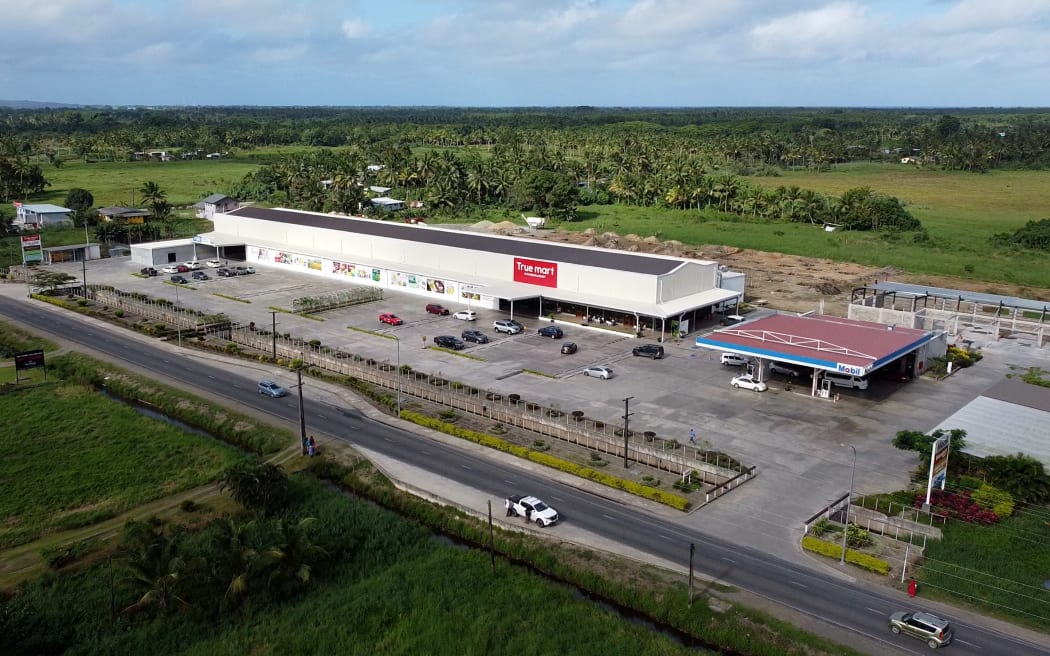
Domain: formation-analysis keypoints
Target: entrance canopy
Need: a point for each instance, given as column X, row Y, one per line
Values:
column 829, row 343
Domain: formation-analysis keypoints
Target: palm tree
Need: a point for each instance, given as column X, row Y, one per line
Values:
column 290, row 561
column 154, row 567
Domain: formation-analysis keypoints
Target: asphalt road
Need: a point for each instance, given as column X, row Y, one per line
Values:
column 856, row 608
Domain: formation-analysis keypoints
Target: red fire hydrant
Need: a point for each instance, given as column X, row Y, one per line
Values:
column 913, row 587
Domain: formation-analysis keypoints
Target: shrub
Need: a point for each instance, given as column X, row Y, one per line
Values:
column 858, row 537
column 992, row 498
column 189, row 505
column 118, row 313
column 862, row 560
column 958, row 505
column 821, row 527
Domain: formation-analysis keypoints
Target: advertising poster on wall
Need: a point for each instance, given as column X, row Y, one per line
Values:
column 536, row 272
column 402, row 279
column 296, row 260
column 440, row 287
column 360, row 273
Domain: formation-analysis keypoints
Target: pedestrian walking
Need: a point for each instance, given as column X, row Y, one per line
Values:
column 692, row 436
column 313, row 445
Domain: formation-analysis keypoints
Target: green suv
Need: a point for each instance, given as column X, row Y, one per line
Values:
column 924, row 626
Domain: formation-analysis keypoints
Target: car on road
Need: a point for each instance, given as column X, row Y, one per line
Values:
column 935, row 631
column 748, row 382
column 532, row 509
column 654, row 351
column 509, row 326
column 599, row 371
column 214, row 264
column 449, row 342
column 783, row 370
column 434, row 308
column 734, row 360
column 224, row 273
column 148, row 271
column 568, row 348
column 390, row 319
column 272, row 389
column 200, row 275
column 180, row 280
column 475, row 336
column 465, row 315
column 171, row 268
column 554, row 332
column 243, row 270
column 192, row 264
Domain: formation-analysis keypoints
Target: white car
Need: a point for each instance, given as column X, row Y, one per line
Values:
column 734, row 360
column 605, row 373
column 171, row 268
column 465, row 315
column 747, row 382
column 532, row 509
column 193, row 264
column 214, row 264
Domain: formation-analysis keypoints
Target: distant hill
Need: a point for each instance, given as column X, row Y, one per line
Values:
column 33, row 104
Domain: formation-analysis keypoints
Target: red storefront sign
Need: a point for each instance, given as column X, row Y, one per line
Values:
column 536, row 272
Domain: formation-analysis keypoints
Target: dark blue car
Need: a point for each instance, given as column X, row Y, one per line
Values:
column 553, row 332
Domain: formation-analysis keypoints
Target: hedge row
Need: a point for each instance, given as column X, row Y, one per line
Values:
column 666, row 498
column 858, row 558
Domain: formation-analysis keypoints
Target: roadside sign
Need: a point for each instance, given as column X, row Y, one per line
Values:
column 938, row 465
column 29, row 359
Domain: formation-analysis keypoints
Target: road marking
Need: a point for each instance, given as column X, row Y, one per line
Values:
column 508, row 481
column 608, row 517
column 467, row 467
column 875, row 610
column 663, row 537
column 728, row 560
column 557, row 498
column 798, row 584
column 322, row 416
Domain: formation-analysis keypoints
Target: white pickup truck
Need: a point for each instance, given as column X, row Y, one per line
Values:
column 532, row 509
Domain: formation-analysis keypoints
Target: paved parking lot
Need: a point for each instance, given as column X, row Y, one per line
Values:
column 796, row 441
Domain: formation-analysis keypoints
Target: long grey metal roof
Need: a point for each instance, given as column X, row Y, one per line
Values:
column 581, row 255
column 976, row 297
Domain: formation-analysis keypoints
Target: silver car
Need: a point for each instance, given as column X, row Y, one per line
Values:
column 934, row 630
column 605, row 373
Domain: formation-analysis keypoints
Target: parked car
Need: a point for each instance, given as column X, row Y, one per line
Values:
column 148, row 272
column 390, row 319
column 509, row 326
column 732, row 319
column 182, row 268
column 734, row 360
column 242, row 270
column 224, row 273
column 554, row 332
column 200, row 275
column 449, row 342
column 272, row 389
column 214, row 264
column 180, row 280
column 748, row 382
column 783, row 370
column 171, row 268
column 465, row 315
column 475, row 336
column 434, row 308
column 846, row 380
column 603, row 372
column 925, row 626
column 568, row 348
column 191, row 264
column 654, row 351
column 532, row 509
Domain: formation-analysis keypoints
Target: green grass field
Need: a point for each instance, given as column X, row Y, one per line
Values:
column 70, row 457
column 1000, row 569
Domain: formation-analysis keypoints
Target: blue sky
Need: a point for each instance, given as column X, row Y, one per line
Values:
column 528, row 52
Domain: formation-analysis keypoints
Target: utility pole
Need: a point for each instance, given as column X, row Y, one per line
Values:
column 849, row 501
column 302, row 411
column 626, row 429
column 398, row 377
column 273, row 334
column 692, row 552
column 87, row 242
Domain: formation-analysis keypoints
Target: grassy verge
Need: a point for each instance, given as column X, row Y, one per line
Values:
column 371, row 332
column 460, row 354
column 231, row 298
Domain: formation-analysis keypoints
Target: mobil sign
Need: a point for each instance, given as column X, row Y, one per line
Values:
column 536, row 272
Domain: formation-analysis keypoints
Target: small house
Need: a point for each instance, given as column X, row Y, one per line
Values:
column 35, row 217
column 388, row 204
column 215, row 204
column 122, row 215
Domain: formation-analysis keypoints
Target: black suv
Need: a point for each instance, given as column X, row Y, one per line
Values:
column 553, row 332
column 180, row 280
column 475, row 336
column 199, row 275
column 654, row 351
column 224, row 273
column 148, row 271
column 449, row 342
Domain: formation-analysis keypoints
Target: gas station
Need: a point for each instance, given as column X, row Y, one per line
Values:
column 828, row 344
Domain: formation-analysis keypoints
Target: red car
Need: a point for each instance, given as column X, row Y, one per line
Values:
column 391, row 319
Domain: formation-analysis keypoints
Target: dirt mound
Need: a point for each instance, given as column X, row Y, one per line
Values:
column 483, row 225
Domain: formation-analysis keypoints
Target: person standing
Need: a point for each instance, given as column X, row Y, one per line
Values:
column 692, row 436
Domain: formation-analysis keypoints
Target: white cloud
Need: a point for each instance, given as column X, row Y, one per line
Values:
column 355, row 28
column 830, row 31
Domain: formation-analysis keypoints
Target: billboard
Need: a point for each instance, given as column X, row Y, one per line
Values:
column 29, row 360
column 938, row 465
column 536, row 272
column 31, row 249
